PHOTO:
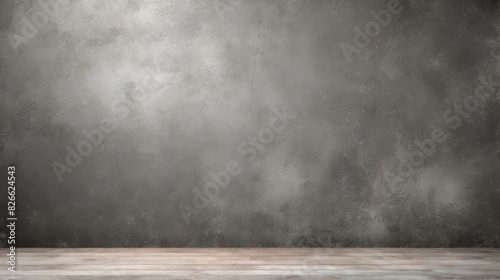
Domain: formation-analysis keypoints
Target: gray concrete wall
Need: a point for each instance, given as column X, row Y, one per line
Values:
column 251, row 123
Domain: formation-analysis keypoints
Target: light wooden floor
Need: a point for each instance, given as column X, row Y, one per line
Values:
column 237, row 263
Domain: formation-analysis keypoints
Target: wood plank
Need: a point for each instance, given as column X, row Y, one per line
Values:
column 253, row 263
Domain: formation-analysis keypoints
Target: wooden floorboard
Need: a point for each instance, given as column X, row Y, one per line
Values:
column 245, row 263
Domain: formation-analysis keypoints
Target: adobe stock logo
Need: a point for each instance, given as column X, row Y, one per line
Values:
column 36, row 17
column 372, row 29
column 463, row 110
column 121, row 108
column 249, row 150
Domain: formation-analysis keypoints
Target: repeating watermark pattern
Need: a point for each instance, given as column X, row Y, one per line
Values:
column 487, row 90
column 95, row 137
column 249, row 150
column 221, row 7
column 34, row 19
column 372, row 29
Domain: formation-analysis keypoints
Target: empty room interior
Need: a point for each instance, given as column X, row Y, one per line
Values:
column 249, row 139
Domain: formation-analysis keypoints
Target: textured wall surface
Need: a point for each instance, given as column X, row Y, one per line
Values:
column 222, row 123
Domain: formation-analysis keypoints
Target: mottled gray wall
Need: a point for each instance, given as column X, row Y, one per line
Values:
column 184, row 85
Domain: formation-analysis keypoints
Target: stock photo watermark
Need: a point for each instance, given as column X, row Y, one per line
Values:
column 36, row 18
column 249, row 150
column 95, row 137
column 488, row 90
column 372, row 29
